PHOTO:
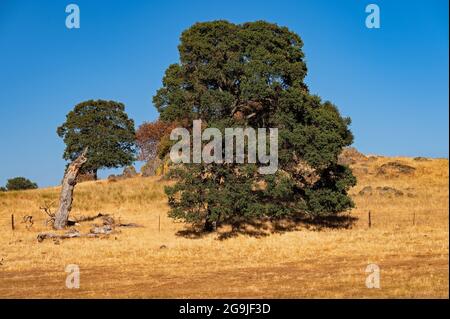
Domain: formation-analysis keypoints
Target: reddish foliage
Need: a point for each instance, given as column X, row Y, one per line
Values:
column 149, row 135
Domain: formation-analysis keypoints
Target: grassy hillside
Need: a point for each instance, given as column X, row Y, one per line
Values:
column 408, row 240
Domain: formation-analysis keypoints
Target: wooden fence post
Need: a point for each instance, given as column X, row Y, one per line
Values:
column 159, row 223
column 12, row 222
column 370, row 220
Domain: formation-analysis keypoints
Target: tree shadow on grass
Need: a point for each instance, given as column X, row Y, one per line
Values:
column 192, row 232
column 327, row 222
column 265, row 227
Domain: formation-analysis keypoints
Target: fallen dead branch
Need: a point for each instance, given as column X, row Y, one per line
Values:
column 105, row 229
column 129, row 225
column 107, row 220
column 69, row 234
column 90, row 218
column 108, row 227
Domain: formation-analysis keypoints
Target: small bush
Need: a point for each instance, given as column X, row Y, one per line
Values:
column 20, row 183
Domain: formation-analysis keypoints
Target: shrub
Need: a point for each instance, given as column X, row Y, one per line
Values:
column 20, row 183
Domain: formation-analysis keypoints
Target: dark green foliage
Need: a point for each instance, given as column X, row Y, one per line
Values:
column 105, row 128
column 252, row 75
column 20, row 183
column 3, row 189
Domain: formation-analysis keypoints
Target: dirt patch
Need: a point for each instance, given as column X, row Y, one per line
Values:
column 318, row 277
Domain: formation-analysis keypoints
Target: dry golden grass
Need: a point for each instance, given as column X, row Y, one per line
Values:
column 305, row 263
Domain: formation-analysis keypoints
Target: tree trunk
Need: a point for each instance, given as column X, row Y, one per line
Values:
column 66, row 197
column 209, row 226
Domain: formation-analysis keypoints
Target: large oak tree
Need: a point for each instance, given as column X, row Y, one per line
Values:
column 252, row 75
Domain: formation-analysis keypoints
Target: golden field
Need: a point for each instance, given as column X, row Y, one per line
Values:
column 408, row 240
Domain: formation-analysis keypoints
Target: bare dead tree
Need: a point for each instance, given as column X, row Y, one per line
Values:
column 68, row 185
column 47, row 209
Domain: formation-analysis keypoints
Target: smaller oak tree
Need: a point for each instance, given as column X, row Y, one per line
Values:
column 105, row 128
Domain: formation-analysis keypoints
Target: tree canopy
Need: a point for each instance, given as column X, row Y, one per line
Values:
column 252, row 75
column 103, row 127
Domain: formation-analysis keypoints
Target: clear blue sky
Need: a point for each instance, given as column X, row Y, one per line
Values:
column 392, row 81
